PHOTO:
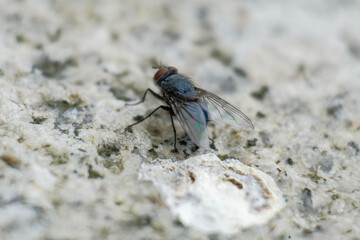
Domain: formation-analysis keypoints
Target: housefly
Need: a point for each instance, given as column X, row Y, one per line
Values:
column 192, row 106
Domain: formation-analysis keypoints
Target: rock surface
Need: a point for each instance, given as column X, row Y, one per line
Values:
column 214, row 196
column 68, row 170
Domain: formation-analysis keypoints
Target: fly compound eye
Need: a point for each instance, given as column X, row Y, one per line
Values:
column 159, row 73
column 172, row 68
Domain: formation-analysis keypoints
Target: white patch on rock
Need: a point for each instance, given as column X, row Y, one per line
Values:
column 211, row 195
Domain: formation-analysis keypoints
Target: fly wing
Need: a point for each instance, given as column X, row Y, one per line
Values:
column 219, row 109
column 193, row 118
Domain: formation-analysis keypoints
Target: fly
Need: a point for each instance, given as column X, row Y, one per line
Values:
column 192, row 106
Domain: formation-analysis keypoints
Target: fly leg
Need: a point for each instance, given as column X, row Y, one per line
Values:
column 212, row 141
column 174, row 129
column 149, row 115
column 212, row 144
column 143, row 98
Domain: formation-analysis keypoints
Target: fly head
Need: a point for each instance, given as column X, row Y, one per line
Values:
column 163, row 73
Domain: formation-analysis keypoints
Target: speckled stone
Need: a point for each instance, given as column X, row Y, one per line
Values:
column 68, row 170
column 214, row 196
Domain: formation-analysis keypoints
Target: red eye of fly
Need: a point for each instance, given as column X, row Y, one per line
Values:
column 159, row 73
column 162, row 71
column 173, row 68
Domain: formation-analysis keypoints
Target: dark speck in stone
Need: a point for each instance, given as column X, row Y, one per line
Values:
column 260, row 115
column 334, row 111
column 221, row 57
column 290, row 161
column 355, row 146
column 240, row 72
column 306, row 200
column 251, row 142
column 119, row 93
column 138, row 118
column 106, row 150
column 53, row 68
column 261, row 93
column 11, row 161
column 38, row 120
column 92, row 173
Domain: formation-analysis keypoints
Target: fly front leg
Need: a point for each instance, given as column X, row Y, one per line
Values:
column 149, row 115
column 143, row 98
column 166, row 108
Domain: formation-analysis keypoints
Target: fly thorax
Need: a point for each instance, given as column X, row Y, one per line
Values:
column 179, row 86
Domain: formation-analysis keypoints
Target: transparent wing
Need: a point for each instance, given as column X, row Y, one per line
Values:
column 193, row 118
column 219, row 109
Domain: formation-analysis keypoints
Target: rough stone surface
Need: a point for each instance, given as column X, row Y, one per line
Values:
column 67, row 68
column 214, row 196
